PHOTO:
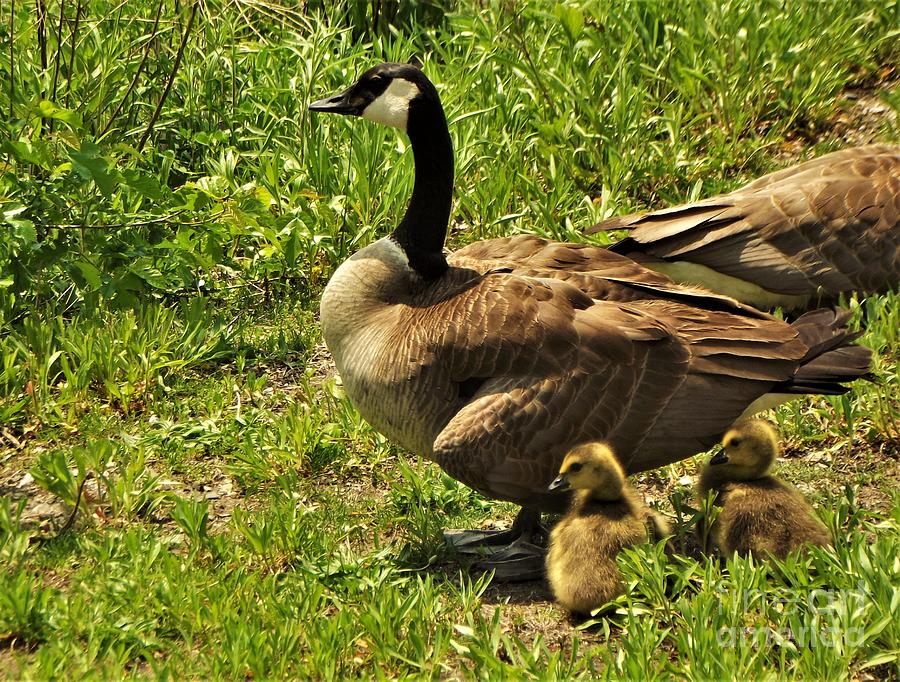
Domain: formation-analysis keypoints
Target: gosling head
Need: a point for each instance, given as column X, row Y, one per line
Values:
column 593, row 467
column 748, row 451
column 388, row 94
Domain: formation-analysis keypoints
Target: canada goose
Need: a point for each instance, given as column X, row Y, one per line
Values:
column 759, row 512
column 605, row 517
column 496, row 360
column 794, row 238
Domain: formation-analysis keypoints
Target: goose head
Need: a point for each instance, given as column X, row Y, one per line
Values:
column 400, row 96
column 748, row 451
column 389, row 94
column 592, row 467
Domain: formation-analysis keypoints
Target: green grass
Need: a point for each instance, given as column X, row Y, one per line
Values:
column 161, row 364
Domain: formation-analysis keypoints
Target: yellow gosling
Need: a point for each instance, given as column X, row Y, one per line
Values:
column 760, row 513
column 606, row 516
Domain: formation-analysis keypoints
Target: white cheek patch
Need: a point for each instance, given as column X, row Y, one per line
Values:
column 391, row 108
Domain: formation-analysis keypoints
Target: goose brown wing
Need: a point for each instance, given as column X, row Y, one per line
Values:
column 818, row 229
column 596, row 271
column 659, row 379
column 525, row 250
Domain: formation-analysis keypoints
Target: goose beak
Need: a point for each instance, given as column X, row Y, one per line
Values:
column 342, row 103
column 559, row 483
column 719, row 458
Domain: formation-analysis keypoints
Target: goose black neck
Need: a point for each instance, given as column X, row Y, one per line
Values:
column 423, row 229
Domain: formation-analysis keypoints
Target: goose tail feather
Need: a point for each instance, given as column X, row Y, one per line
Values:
column 833, row 358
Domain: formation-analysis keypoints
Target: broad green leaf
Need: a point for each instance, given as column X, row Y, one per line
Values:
column 213, row 248
column 128, row 281
column 90, row 164
column 48, row 109
column 149, row 274
column 90, row 273
column 22, row 151
column 571, row 18
column 291, row 249
column 142, row 183
column 23, row 228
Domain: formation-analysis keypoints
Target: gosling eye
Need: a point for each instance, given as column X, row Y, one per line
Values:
column 575, row 467
column 735, row 442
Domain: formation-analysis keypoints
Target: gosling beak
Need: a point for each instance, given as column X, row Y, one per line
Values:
column 341, row 103
column 720, row 457
column 559, row 483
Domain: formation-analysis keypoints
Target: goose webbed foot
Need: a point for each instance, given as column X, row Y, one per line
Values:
column 516, row 554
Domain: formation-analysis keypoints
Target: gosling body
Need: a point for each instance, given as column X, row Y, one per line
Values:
column 760, row 513
column 606, row 516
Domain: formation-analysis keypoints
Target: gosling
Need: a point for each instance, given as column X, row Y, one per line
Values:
column 759, row 512
column 605, row 517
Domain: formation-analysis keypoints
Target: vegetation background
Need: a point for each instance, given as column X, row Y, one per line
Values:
column 186, row 491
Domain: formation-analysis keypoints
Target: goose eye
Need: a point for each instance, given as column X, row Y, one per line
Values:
column 575, row 468
column 735, row 442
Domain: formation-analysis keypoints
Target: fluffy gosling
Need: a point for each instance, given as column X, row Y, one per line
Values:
column 605, row 517
column 759, row 512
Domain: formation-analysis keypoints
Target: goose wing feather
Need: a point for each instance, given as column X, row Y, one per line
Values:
column 596, row 271
column 658, row 379
column 820, row 228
